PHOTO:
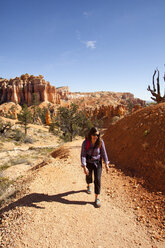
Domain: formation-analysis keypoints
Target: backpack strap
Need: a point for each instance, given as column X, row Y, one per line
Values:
column 87, row 144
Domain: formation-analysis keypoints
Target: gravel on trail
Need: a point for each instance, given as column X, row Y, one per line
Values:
column 56, row 211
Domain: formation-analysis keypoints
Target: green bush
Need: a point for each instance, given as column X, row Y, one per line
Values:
column 146, row 132
column 18, row 135
column 72, row 122
column 53, row 127
column 42, row 114
column 4, row 127
column 19, row 160
column 28, row 139
column 4, row 184
column 4, row 166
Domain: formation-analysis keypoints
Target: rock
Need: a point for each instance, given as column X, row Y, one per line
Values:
column 10, row 109
column 48, row 118
column 21, row 89
column 135, row 152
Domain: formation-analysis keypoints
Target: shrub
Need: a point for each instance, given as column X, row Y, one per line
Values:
column 42, row 114
column 52, row 127
column 115, row 119
column 4, row 127
column 4, row 184
column 28, row 139
column 71, row 122
column 4, row 166
column 19, row 160
column 18, row 135
column 146, row 132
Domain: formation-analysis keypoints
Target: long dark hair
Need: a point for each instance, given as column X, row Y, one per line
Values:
column 93, row 131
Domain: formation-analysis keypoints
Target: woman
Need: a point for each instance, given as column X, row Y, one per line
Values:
column 92, row 152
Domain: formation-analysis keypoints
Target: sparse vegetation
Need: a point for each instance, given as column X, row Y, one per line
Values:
column 115, row 119
column 53, row 127
column 4, row 184
column 18, row 135
column 28, row 139
column 146, row 132
column 19, row 160
column 42, row 115
column 46, row 151
column 4, row 166
column 4, row 127
column 129, row 105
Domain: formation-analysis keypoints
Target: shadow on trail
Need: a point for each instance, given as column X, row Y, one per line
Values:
column 31, row 200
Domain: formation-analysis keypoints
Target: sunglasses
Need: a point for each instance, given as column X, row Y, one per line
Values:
column 95, row 134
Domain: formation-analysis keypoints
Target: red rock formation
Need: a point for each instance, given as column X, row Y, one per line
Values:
column 10, row 109
column 20, row 90
column 100, row 105
column 64, row 92
column 107, row 112
column 136, row 143
column 48, row 118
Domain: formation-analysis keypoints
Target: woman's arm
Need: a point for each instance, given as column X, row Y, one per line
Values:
column 104, row 155
column 83, row 154
column 83, row 157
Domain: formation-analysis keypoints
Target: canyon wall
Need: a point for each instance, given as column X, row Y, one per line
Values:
column 29, row 89
column 21, row 90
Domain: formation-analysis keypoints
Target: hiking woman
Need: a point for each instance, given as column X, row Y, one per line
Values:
column 92, row 152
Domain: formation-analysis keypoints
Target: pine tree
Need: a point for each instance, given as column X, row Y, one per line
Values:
column 72, row 122
column 35, row 108
column 67, row 120
column 25, row 117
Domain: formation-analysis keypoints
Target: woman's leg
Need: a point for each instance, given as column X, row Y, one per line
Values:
column 89, row 176
column 97, row 178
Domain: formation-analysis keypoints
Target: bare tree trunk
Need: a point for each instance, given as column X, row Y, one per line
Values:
column 157, row 95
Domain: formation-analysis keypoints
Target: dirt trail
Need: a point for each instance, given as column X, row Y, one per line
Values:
column 57, row 212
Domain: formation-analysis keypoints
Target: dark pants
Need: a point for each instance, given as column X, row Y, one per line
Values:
column 97, row 175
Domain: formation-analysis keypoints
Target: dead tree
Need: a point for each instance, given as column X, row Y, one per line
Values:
column 5, row 127
column 156, row 91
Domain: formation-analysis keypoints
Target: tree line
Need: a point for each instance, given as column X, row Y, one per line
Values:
column 67, row 123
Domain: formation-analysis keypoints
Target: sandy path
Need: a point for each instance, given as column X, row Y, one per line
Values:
column 57, row 212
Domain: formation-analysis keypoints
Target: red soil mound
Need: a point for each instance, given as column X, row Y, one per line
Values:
column 136, row 144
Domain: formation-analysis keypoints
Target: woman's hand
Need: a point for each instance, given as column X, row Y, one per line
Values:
column 86, row 171
column 107, row 168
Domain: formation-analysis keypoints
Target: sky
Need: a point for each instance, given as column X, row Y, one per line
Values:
column 88, row 45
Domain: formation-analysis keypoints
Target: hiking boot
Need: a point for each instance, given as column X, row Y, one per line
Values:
column 89, row 190
column 97, row 203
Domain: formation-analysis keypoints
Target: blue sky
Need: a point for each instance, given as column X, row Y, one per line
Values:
column 89, row 45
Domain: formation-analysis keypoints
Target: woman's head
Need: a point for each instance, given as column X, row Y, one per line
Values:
column 94, row 136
